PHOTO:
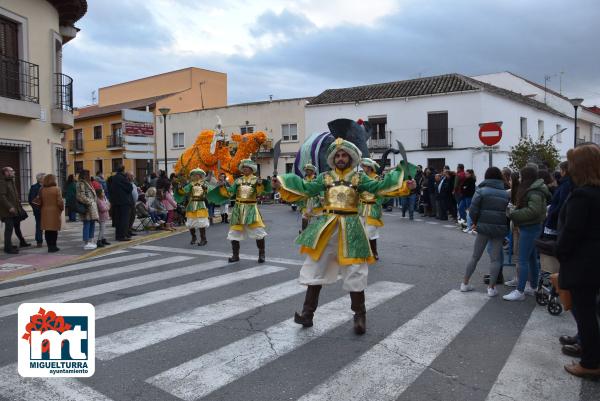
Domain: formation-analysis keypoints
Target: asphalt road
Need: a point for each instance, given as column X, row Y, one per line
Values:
column 175, row 321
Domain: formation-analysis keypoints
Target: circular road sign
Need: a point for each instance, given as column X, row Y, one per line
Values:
column 490, row 133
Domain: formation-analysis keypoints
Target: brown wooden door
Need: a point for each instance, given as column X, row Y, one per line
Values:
column 437, row 130
column 9, row 55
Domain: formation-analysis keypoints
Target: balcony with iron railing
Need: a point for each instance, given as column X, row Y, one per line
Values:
column 437, row 138
column 19, row 88
column 76, row 146
column 114, row 142
column 62, row 111
column 379, row 142
column 266, row 150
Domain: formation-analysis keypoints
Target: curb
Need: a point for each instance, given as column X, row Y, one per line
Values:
column 96, row 253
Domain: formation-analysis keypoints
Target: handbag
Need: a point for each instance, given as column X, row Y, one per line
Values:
column 81, row 207
column 22, row 215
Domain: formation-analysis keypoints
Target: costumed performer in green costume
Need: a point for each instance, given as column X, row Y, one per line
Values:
column 369, row 207
column 245, row 219
column 336, row 243
column 310, row 207
column 196, row 212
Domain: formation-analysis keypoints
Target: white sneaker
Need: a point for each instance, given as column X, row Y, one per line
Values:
column 512, row 283
column 466, row 231
column 529, row 291
column 89, row 246
column 492, row 292
column 466, row 287
column 514, row 295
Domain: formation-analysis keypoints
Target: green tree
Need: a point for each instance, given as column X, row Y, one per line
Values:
column 543, row 153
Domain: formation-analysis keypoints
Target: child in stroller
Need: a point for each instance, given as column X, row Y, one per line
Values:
column 546, row 293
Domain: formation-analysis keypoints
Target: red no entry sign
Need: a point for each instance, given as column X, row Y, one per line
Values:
column 490, row 133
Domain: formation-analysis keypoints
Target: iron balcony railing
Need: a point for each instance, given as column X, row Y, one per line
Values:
column 437, row 138
column 19, row 79
column 76, row 145
column 114, row 141
column 63, row 92
column 380, row 143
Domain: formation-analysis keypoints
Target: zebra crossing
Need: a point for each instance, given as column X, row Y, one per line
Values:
column 180, row 323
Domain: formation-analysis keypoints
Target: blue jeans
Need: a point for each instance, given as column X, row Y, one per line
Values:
column 528, row 260
column 88, row 230
column 463, row 205
column 38, row 226
column 72, row 214
column 408, row 202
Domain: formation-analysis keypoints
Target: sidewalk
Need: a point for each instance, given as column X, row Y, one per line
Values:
column 70, row 242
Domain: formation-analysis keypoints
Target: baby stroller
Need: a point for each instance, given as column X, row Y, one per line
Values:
column 547, row 294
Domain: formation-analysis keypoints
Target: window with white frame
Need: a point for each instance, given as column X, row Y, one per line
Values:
column 523, row 127
column 540, row 128
column 247, row 129
column 289, row 132
column 178, row 140
column 559, row 130
column 596, row 134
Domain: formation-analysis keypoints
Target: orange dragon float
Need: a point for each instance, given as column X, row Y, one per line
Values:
column 211, row 152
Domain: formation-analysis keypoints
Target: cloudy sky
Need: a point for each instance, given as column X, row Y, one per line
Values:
column 293, row 48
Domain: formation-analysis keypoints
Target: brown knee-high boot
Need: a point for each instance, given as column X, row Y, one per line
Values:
column 311, row 300
column 373, row 243
column 235, row 247
column 260, row 243
column 193, row 232
column 360, row 311
column 202, row 237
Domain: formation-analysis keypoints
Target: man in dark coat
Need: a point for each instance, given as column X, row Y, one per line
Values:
column 121, row 200
column 10, row 210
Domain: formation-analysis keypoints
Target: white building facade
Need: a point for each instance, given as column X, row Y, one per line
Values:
column 588, row 122
column 279, row 119
column 437, row 119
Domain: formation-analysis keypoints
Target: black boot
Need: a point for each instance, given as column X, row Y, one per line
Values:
column 373, row 243
column 202, row 237
column 226, row 218
column 360, row 312
column 311, row 300
column 105, row 242
column 193, row 232
column 235, row 247
column 260, row 243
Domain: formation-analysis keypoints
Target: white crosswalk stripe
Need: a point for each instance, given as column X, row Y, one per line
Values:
column 14, row 387
column 81, row 277
column 396, row 361
column 81, row 266
column 165, row 294
column 531, row 372
column 129, row 340
column 201, row 252
column 11, row 309
column 203, row 375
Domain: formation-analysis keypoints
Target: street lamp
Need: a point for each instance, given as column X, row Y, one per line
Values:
column 576, row 103
column 164, row 111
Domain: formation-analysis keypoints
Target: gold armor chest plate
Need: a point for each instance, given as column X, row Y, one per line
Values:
column 246, row 190
column 340, row 194
column 198, row 191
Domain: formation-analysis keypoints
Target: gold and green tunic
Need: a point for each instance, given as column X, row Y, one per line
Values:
column 196, row 193
column 342, row 190
column 369, row 206
column 245, row 212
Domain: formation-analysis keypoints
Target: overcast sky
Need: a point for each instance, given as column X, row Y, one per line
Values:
column 294, row 48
